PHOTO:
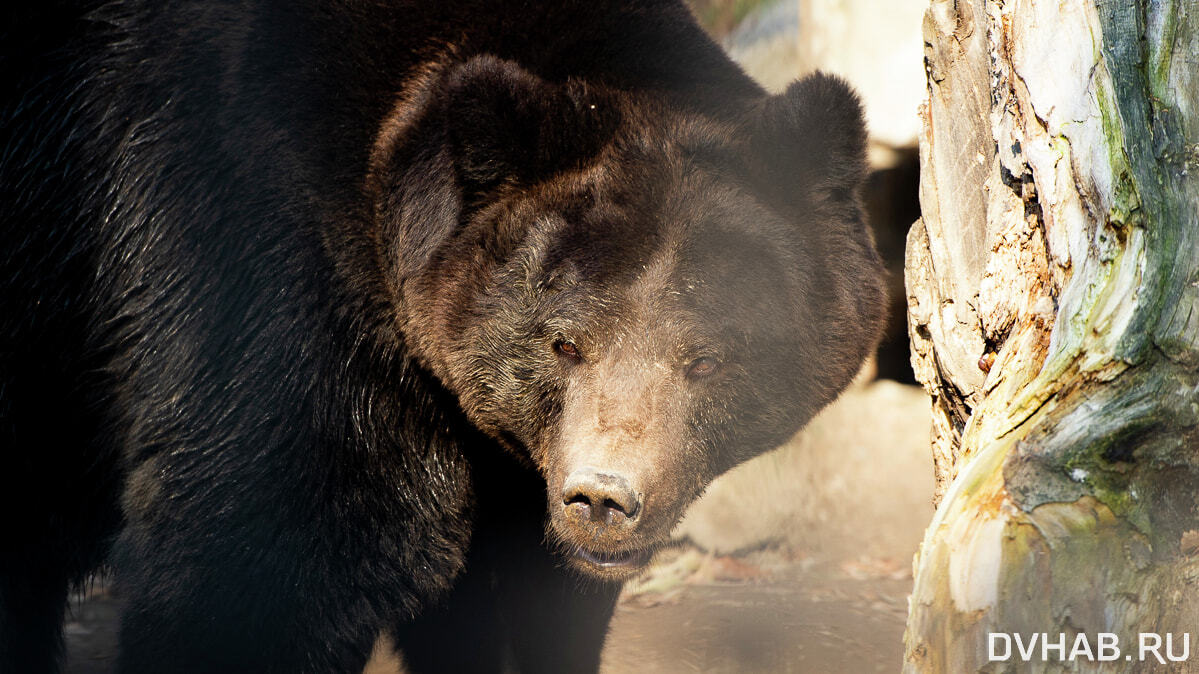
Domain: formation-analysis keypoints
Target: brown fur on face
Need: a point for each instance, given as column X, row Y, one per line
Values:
column 660, row 242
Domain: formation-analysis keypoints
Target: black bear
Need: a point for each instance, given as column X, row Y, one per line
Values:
column 327, row 320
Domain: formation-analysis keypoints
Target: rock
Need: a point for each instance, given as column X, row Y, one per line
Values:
column 857, row 481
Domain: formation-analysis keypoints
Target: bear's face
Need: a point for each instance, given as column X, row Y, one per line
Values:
column 631, row 297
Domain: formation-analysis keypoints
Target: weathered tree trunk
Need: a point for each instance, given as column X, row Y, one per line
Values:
column 1054, row 313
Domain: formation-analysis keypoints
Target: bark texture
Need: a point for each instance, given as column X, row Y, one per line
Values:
column 1054, row 314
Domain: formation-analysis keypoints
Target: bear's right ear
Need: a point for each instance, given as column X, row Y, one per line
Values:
column 811, row 142
column 462, row 132
column 505, row 124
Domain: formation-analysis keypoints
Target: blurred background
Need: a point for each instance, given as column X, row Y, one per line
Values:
column 800, row 560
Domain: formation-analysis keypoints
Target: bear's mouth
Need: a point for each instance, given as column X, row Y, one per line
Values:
column 621, row 563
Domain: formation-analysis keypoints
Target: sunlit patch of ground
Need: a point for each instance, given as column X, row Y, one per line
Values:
column 768, row 612
column 798, row 561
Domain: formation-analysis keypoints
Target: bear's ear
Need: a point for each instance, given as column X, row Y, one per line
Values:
column 811, row 141
column 504, row 123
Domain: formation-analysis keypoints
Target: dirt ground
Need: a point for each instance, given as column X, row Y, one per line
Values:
column 782, row 616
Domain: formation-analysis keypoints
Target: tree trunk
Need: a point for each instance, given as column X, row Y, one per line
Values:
column 1054, row 314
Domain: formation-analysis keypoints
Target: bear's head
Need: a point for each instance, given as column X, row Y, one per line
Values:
column 630, row 295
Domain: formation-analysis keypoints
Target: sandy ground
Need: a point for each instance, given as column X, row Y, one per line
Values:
column 797, row 616
column 91, row 632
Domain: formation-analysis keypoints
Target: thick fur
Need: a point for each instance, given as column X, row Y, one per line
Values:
column 278, row 282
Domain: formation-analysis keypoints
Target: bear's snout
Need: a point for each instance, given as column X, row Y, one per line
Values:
column 593, row 498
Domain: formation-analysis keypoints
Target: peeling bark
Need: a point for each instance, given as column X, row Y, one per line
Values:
column 1054, row 314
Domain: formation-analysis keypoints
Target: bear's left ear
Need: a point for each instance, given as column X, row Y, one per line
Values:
column 507, row 124
column 811, row 141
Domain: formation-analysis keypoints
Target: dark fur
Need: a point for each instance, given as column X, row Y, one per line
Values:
column 277, row 282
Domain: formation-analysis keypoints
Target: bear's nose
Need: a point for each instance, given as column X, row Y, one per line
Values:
column 603, row 498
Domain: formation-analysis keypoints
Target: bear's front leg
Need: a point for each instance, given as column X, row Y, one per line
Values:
column 557, row 620
column 252, row 568
column 517, row 607
column 257, row 607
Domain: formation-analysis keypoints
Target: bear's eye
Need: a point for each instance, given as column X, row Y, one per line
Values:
column 568, row 349
column 702, row 367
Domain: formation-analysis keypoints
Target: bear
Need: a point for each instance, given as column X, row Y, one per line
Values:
column 321, row 321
